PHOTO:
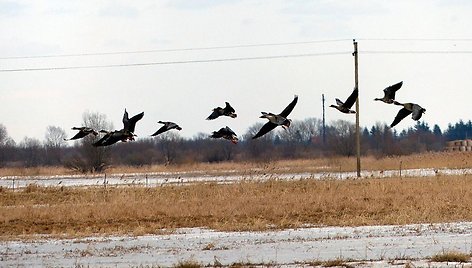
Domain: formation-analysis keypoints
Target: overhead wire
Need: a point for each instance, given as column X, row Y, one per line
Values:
column 173, row 50
column 415, row 52
column 176, row 62
column 235, row 58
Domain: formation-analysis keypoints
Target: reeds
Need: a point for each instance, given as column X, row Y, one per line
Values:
column 333, row 164
column 241, row 206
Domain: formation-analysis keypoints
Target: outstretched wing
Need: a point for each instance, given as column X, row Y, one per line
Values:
column 215, row 114
column 287, row 109
column 351, row 99
column 161, row 130
column 390, row 91
column 265, row 128
column 130, row 124
column 101, row 142
column 229, row 131
column 228, row 108
column 401, row 114
column 79, row 135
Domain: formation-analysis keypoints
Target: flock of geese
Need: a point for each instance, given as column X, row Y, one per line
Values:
column 127, row 132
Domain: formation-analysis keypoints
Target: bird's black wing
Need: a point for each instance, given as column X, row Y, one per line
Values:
column 229, row 131
column 215, row 114
column 79, row 135
column 125, row 119
column 390, row 91
column 286, row 111
column 228, row 108
column 161, row 130
column 401, row 114
column 112, row 140
column 101, row 141
column 265, row 128
column 351, row 99
column 131, row 123
column 218, row 134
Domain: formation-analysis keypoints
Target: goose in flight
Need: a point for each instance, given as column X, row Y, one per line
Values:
column 345, row 107
column 277, row 119
column 389, row 93
column 129, row 124
column 83, row 131
column 112, row 137
column 218, row 111
column 408, row 108
column 125, row 134
column 166, row 127
column 225, row 133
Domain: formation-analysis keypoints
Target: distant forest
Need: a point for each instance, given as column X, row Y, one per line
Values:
column 304, row 139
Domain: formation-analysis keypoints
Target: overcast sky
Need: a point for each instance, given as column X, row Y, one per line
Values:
column 186, row 93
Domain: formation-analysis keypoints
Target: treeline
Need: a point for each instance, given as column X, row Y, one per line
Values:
column 304, row 139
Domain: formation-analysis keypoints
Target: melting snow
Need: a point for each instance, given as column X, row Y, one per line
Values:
column 376, row 244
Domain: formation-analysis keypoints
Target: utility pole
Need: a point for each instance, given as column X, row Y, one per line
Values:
column 324, row 126
column 356, row 85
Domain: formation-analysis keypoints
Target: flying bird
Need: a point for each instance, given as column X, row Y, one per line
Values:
column 125, row 134
column 112, row 137
column 408, row 108
column 345, row 107
column 129, row 124
column 225, row 133
column 389, row 93
column 83, row 131
column 276, row 119
column 166, row 127
column 218, row 111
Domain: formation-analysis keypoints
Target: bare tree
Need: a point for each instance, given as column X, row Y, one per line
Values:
column 54, row 142
column 168, row 143
column 92, row 159
column 302, row 131
column 55, row 137
column 7, row 145
column 341, row 137
column 31, row 149
column 261, row 148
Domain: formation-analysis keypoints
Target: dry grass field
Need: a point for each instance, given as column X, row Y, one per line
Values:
column 266, row 205
column 334, row 164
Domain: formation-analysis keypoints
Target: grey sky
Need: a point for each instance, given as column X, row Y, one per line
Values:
column 186, row 93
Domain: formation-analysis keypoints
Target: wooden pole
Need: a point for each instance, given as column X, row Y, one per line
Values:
column 324, row 126
column 356, row 85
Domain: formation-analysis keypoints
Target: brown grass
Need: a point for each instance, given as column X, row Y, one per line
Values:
column 451, row 256
column 240, row 206
column 426, row 160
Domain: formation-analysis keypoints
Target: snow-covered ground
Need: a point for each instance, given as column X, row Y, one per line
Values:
column 162, row 178
column 370, row 246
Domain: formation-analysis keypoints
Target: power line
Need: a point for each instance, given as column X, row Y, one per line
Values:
column 173, row 50
column 231, row 47
column 417, row 39
column 416, row 52
column 175, row 62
